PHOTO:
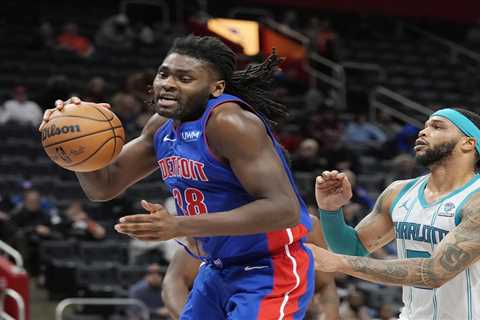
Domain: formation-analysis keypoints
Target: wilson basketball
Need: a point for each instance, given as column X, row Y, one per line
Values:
column 83, row 137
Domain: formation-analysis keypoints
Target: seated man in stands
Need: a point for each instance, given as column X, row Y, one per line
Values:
column 34, row 225
column 81, row 226
column 20, row 110
column 148, row 290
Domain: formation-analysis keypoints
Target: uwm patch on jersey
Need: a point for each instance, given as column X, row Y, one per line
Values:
column 191, row 135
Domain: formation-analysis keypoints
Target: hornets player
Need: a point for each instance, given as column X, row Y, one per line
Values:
column 435, row 220
column 211, row 140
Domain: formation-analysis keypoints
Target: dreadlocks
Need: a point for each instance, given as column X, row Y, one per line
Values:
column 252, row 84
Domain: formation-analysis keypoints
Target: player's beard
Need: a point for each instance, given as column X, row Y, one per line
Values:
column 436, row 154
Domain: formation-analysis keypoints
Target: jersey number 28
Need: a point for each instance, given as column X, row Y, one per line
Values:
column 193, row 199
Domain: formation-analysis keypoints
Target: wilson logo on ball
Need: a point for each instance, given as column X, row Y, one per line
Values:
column 54, row 131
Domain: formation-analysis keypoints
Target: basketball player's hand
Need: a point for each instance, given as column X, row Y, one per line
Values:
column 158, row 224
column 332, row 190
column 59, row 104
column 325, row 261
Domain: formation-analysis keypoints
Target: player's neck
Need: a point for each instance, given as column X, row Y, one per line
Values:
column 448, row 176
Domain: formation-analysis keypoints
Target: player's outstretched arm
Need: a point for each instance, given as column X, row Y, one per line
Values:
column 456, row 252
column 178, row 280
column 324, row 281
column 332, row 191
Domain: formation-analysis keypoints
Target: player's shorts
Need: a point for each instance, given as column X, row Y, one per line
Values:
column 277, row 287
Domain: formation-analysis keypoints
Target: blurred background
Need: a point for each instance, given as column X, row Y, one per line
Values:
column 360, row 79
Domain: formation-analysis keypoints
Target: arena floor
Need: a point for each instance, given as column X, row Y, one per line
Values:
column 40, row 307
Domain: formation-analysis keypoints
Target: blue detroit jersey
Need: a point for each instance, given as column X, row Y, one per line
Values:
column 202, row 184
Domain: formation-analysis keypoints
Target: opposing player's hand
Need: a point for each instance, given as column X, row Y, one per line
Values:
column 325, row 260
column 332, row 190
column 60, row 104
column 157, row 224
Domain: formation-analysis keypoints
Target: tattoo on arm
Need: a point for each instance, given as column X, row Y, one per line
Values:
column 454, row 256
column 456, row 252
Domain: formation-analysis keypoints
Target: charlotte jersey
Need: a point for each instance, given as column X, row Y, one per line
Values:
column 202, row 184
column 419, row 228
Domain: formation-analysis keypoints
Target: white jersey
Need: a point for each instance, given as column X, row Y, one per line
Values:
column 419, row 227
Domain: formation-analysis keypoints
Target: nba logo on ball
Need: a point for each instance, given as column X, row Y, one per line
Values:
column 83, row 137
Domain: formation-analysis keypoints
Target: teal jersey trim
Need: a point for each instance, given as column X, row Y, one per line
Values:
column 469, row 293
column 411, row 254
column 402, row 192
column 425, row 204
column 405, row 255
column 435, row 307
column 458, row 211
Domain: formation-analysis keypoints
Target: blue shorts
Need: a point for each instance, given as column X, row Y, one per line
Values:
column 277, row 287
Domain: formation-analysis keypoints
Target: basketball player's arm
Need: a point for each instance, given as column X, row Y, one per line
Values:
column 324, row 281
column 376, row 229
column 239, row 137
column 456, row 252
column 372, row 233
column 178, row 280
column 135, row 161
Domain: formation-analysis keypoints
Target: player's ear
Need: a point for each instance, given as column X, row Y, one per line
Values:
column 469, row 144
column 217, row 88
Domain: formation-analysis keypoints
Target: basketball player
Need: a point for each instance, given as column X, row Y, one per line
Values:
column 435, row 220
column 211, row 139
column 183, row 269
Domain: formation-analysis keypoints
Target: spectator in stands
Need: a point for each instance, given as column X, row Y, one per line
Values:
column 363, row 136
column 95, row 90
column 71, row 40
column 359, row 204
column 7, row 228
column 116, row 33
column 81, row 226
column 46, row 35
column 34, row 225
column 20, row 109
column 149, row 291
column 405, row 139
column 314, row 99
column 386, row 123
column 404, row 166
column 340, row 157
column 353, row 308
column 386, row 312
column 360, row 194
column 306, row 157
column 323, row 39
column 326, row 128
column 137, row 83
column 289, row 137
column 145, row 34
column 127, row 108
